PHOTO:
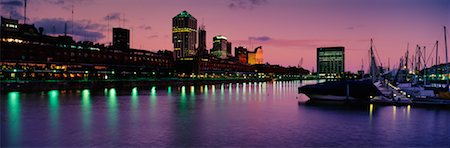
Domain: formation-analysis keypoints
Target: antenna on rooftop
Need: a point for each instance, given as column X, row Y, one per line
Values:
column 72, row 18
column 65, row 29
column 25, row 12
column 123, row 20
column 109, row 29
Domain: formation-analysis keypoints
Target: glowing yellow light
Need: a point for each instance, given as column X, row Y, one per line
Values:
column 178, row 30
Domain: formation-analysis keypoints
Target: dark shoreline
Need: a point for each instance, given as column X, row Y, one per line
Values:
column 42, row 85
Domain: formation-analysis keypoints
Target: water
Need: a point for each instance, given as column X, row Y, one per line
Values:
column 244, row 114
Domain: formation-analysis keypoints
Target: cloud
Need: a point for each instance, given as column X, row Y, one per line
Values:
column 112, row 16
column 12, row 7
column 293, row 43
column 12, row 3
column 116, row 16
column 82, row 30
column 67, row 4
column 261, row 38
column 246, row 4
column 354, row 27
column 145, row 27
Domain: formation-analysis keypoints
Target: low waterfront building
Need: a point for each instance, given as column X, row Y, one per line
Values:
column 330, row 62
column 256, row 56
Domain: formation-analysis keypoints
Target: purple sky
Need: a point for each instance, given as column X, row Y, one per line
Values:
column 288, row 30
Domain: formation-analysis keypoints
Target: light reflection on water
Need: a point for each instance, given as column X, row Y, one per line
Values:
column 238, row 114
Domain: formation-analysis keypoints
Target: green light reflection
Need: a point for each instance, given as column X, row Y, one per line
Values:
column 169, row 90
column 112, row 108
column 134, row 99
column 183, row 100
column 206, row 91
column 153, row 97
column 53, row 101
column 86, row 110
column 14, row 118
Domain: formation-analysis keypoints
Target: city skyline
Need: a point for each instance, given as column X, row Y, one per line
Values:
column 288, row 30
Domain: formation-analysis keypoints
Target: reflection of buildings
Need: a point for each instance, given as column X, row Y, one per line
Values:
column 121, row 38
column 220, row 47
column 330, row 62
column 256, row 57
column 184, row 35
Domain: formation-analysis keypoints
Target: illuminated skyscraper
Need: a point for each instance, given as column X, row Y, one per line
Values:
column 121, row 38
column 220, row 45
column 184, row 35
column 330, row 61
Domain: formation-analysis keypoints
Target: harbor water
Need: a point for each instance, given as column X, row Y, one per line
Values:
column 262, row 114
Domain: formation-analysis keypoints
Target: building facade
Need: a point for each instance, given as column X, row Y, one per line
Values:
column 220, row 46
column 241, row 54
column 330, row 62
column 184, row 35
column 256, row 56
column 121, row 38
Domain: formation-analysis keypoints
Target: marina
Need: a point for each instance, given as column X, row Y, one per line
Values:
column 231, row 73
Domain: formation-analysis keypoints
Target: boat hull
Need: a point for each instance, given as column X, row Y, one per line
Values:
column 341, row 91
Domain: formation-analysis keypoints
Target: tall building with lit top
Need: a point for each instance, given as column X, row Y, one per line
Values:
column 121, row 38
column 184, row 35
column 220, row 46
column 330, row 62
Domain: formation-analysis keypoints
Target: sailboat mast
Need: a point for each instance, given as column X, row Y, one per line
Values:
column 437, row 52
column 446, row 55
column 372, row 61
column 424, row 66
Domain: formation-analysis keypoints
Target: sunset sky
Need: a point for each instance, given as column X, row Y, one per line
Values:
column 288, row 30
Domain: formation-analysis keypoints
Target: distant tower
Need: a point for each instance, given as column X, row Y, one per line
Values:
column 121, row 38
column 202, row 40
column 184, row 35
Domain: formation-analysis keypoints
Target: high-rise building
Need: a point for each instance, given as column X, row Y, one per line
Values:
column 241, row 54
column 229, row 48
column 121, row 38
column 184, row 35
column 202, row 41
column 330, row 62
column 256, row 56
column 220, row 45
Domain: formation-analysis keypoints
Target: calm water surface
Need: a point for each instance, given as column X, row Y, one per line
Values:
column 239, row 114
